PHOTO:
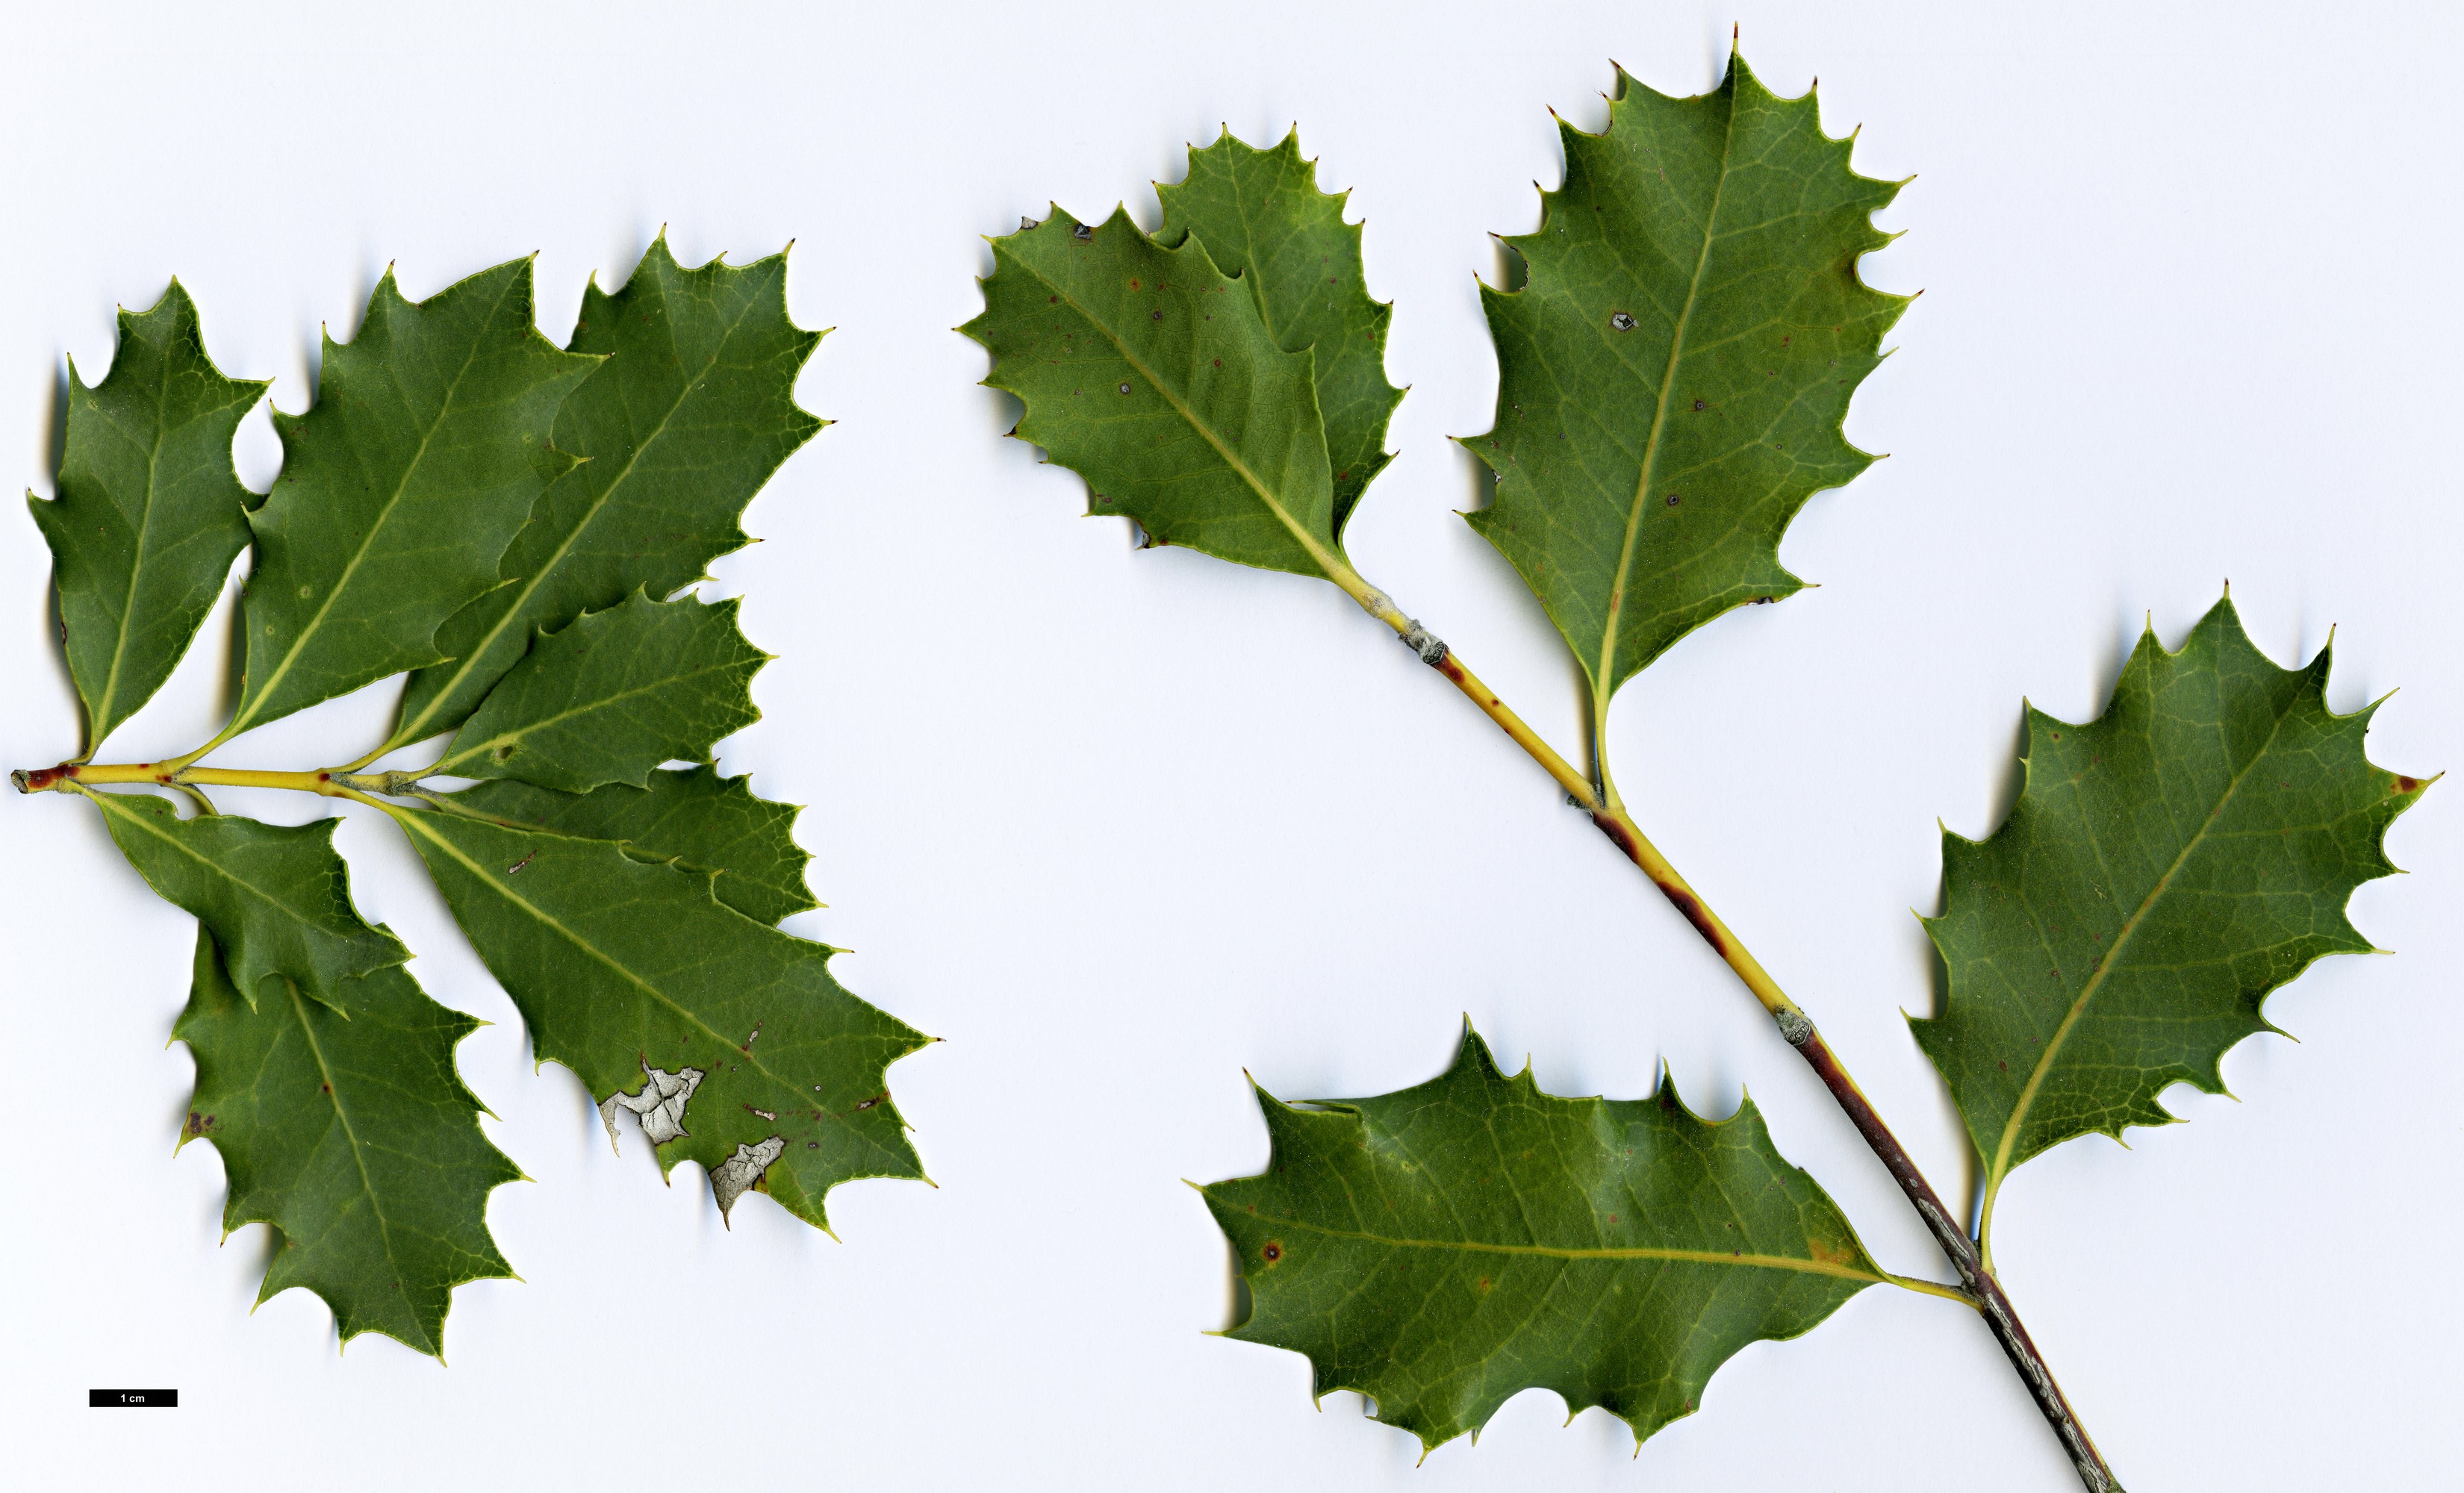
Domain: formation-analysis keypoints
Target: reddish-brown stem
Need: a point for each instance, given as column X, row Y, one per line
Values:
column 1794, row 1025
column 1991, row 1302
column 1798, row 1028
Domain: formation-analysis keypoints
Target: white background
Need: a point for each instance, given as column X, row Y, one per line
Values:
column 1118, row 825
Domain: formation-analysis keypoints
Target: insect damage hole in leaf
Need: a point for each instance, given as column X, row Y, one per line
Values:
column 511, row 523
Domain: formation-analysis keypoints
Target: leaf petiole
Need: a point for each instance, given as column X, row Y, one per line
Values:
column 1981, row 1290
column 1924, row 1287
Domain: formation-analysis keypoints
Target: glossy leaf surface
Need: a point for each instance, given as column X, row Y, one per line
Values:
column 1675, row 367
column 696, row 818
column 400, row 488
column 1443, row 1247
column 2168, row 864
column 614, row 695
column 275, row 898
column 1263, row 219
column 1152, row 374
column 687, row 417
column 355, row 1138
column 150, row 513
column 636, row 977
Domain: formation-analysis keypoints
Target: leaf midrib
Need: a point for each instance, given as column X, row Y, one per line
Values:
column 407, row 732
column 144, row 822
column 470, row 353
column 1326, row 561
column 410, row 820
column 1559, row 1252
column 2105, row 964
column 603, row 702
column 1603, row 681
column 103, row 721
column 359, row 1157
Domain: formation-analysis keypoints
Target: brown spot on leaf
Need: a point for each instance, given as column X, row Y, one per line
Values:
column 1272, row 1252
column 2403, row 784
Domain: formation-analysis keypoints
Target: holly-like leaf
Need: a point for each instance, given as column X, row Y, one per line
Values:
column 691, row 413
column 612, row 696
column 354, row 1137
column 1153, row 375
column 1674, row 370
column 1442, row 1248
column 2168, row 864
column 1263, row 219
column 150, row 513
column 694, row 817
column 728, row 1038
column 275, row 898
column 400, row 488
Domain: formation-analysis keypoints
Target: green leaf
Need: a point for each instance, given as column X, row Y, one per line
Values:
column 1674, row 371
column 2168, row 864
column 400, row 488
column 150, row 513
column 355, row 1138
column 1153, row 375
column 275, row 898
column 612, row 696
column 1262, row 218
column 691, row 413
column 729, row 1038
column 695, row 818
column 1442, row 1248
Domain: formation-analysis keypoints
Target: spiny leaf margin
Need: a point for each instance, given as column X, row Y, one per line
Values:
column 2036, row 1056
column 1641, row 491
column 422, row 1182
column 1375, row 1324
column 1265, row 223
column 1150, row 373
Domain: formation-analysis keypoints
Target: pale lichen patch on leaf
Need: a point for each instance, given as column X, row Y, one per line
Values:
column 737, row 1175
column 659, row 1104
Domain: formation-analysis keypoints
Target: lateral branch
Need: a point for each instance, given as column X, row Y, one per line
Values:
column 1610, row 817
